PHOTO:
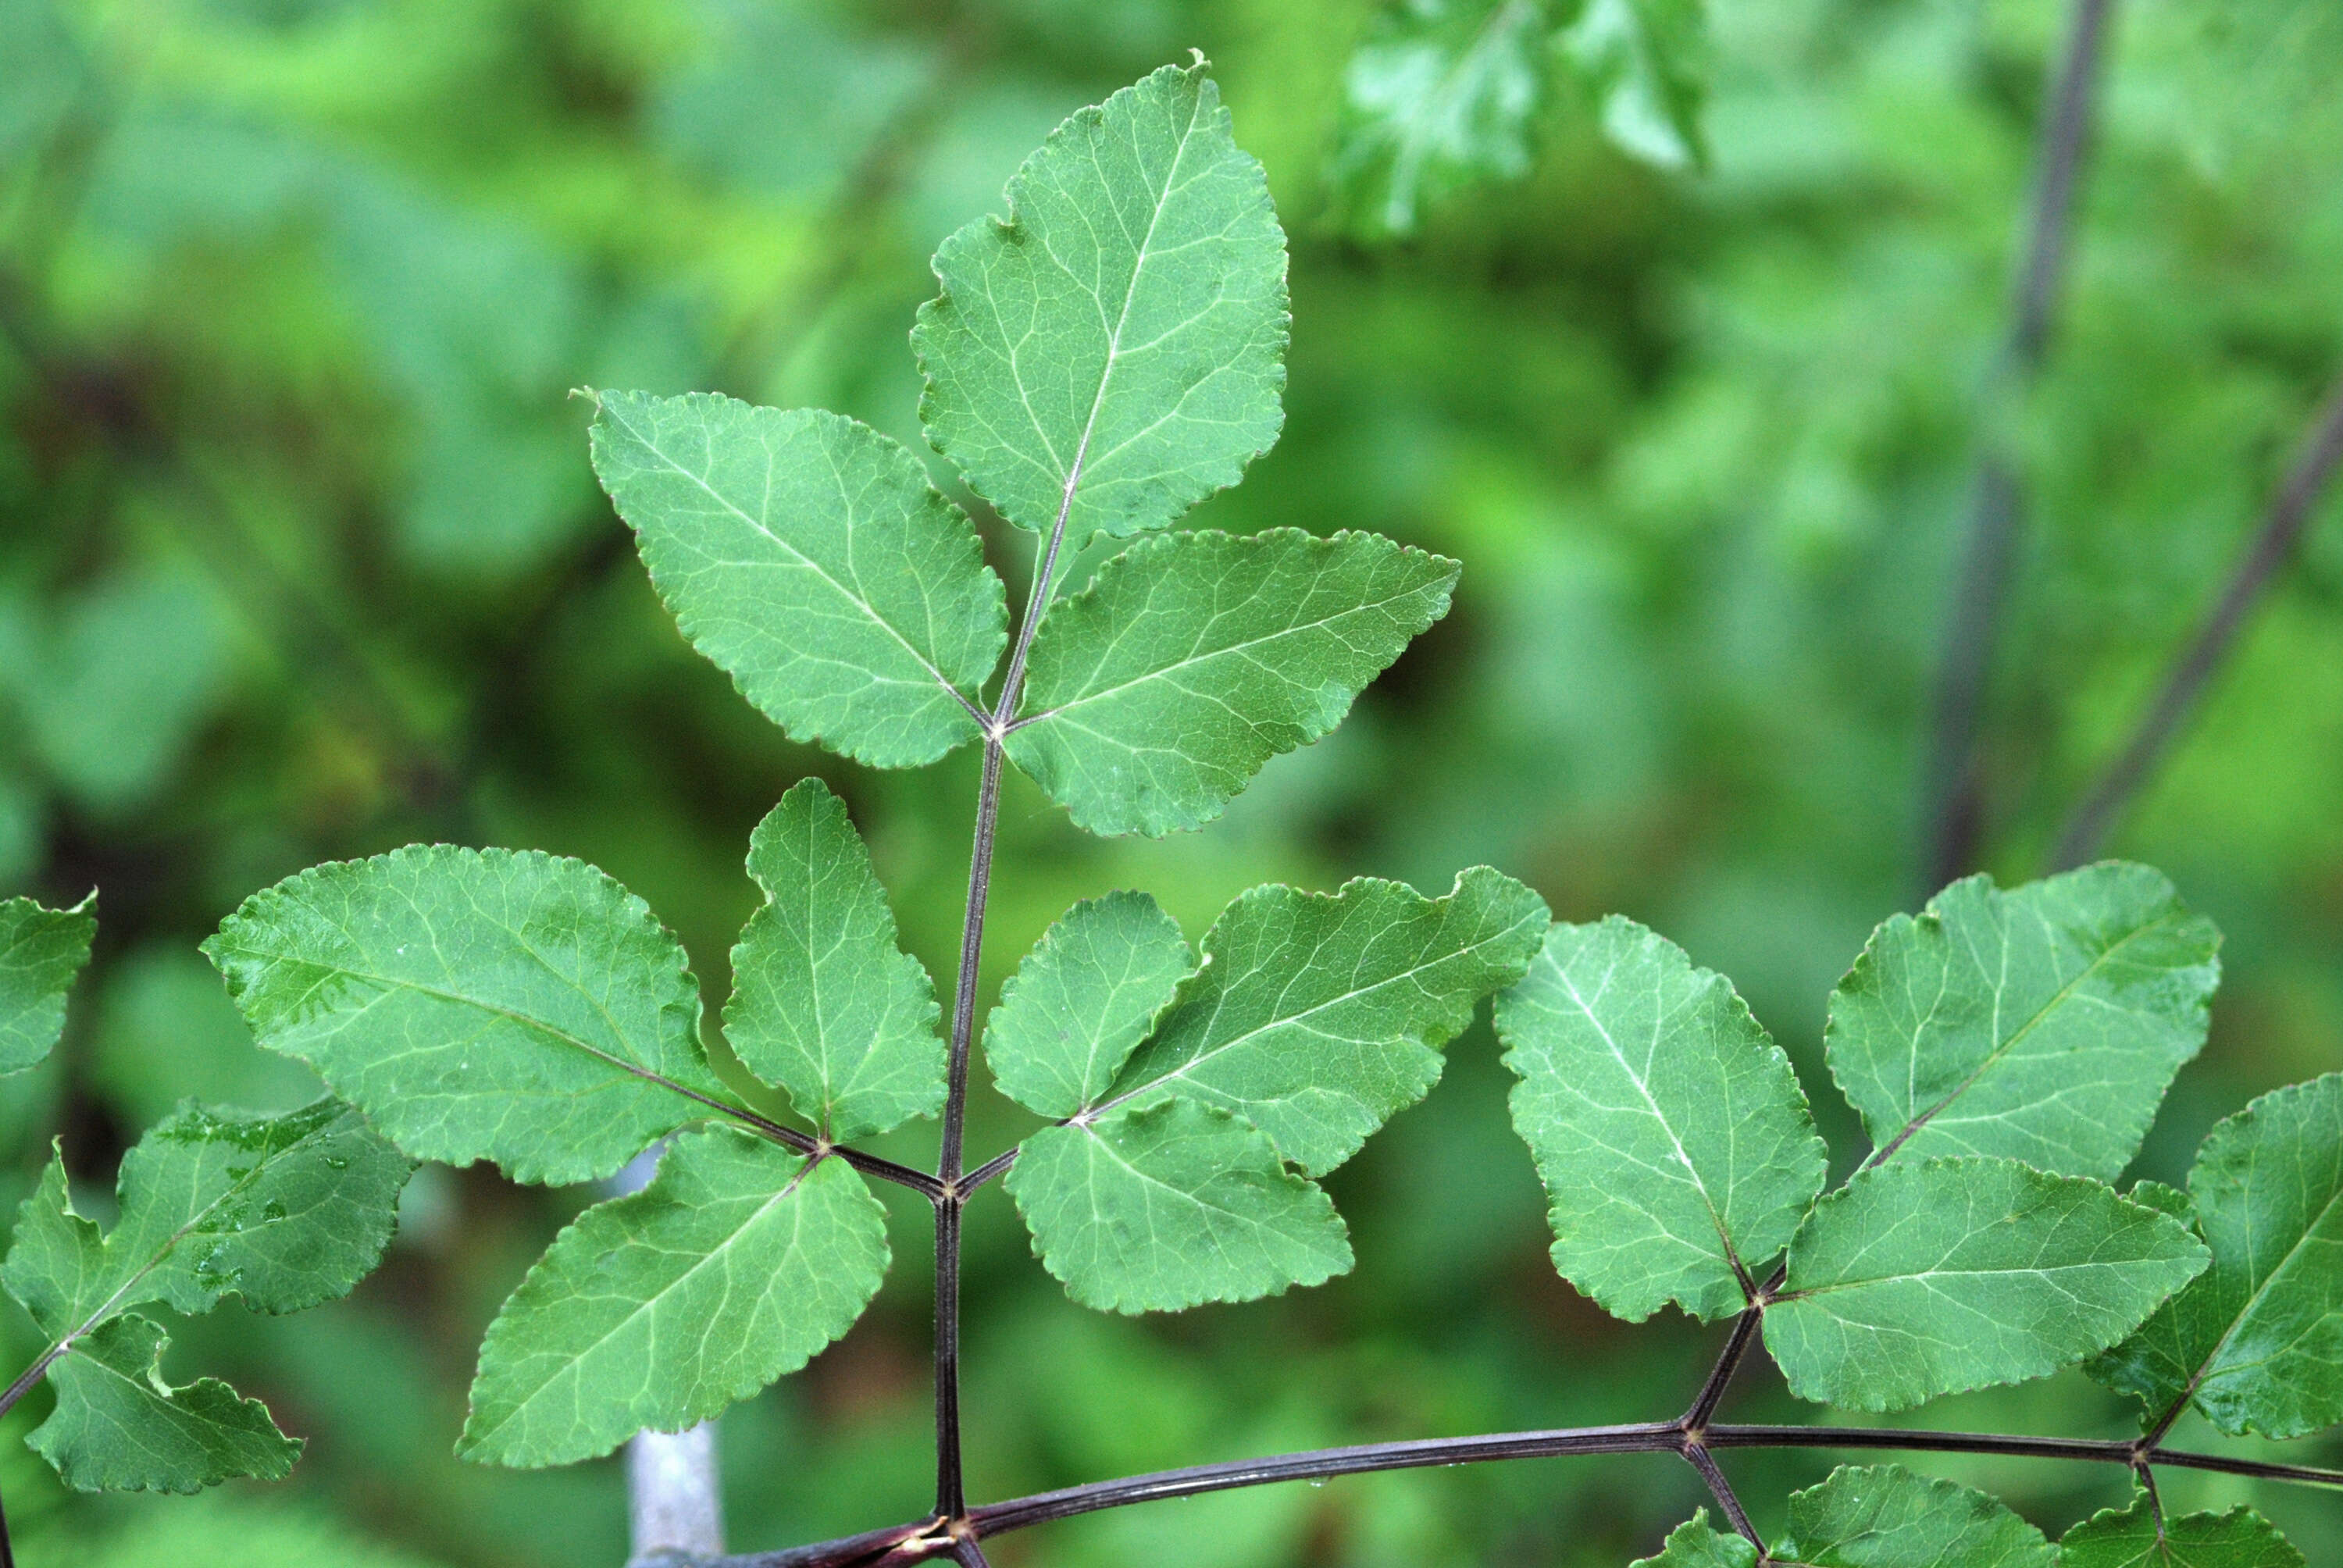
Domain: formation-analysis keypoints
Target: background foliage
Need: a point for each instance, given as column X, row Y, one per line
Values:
column 301, row 558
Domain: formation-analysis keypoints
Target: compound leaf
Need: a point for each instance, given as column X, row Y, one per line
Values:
column 1674, row 1143
column 736, row 1264
column 119, row 1427
column 1923, row 1279
column 2256, row 1342
column 824, row 1004
column 1444, row 97
column 41, row 952
column 2131, row 1538
column 1884, row 1516
column 1156, row 693
column 2043, row 1023
column 478, row 1004
column 1695, row 1544
column 1160, row 1206
column 1114, row 351
column 1316, row 1016
column 807, row 556
column 1082, row 1000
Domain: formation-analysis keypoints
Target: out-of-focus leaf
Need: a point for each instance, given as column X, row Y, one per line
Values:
column 1674, row 1143
column 824, row 1004
column 1646, row 61
column 1082, row 1000
column 41, row 952
column 1156, row 694
column 2043, row 1023
column 2135, row 1538
column 44, row 70
column 2257, row 1341
column 1113, row 352
column 1931, row 1278
column 478, row 1004
column 1884, row 1516
column 1316, row 1016
column 807, row 556
column 736, row 1264
column 119, row 1427
column 1159, row 1206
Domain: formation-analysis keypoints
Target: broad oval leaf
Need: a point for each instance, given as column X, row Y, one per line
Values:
column 2043, row 1024
column 736, row 1264
column 41, row 951
column 1156, row 693
column 2257, row 1341
column 809, row 557
column 824, row 1004
column 1695, row 1544
column 1113, row 352
column 1884, row 1516
column 1165, row 1205
column 1316, row 1016
column 478, row 1004
column 1082, row 1000
column 1928, row 1278
column 2135, row 1538
column 119, row 1427
column 1673, row 1137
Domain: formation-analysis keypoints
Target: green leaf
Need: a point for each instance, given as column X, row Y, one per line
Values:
column 824, row 1004
column 2257, row 1341
column 41, row 952
column 2043, row 1023
column 287, row 1211
column 1695, row 1544
column 807, row 556
column 478, row 1004
column 1082, row 1000
column 119, row 1427
column 1884, row 1516
column 1113, row 352
column 1165, row 1205
column 1157, row 693
column 738, row 1263
column 1669, row 1130
column 1928, row 1278
column 1316, row 1016
column 1646, row 63
column 2130, row 1539
column 1443, row 98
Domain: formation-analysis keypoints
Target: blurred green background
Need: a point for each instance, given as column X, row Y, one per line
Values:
column 300, row 558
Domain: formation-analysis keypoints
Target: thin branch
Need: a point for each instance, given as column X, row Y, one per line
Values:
column 1721, row 1489
column 928, row 1538
column 988, row 1170
column 1954, row 804
column 2273, row 547
column 1745, row 1334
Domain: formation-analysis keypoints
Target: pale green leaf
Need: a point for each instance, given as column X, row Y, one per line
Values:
column 1316, row 1016
column 1446, row 95
column 736, row 1264
column 478, row 1004
column 1082, row 1000
column 1674, row 1143
column 2257, row 1341
column 2239, row 1538
column 286, row 1211
column 1157, row 693
column 1645, row 62
column 1113, row 352
column 1160, row 1206
column 119, row 1427
column 824, row 1004
column 1923, row 1279
column 807, row 556
column 1884, row 1516
column 2043, row 1023
column 1695, row 1544
column 41, row 952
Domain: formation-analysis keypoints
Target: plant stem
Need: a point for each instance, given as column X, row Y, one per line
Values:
column 1745, row 1334
column 923, row 1540
column 2282, row 531
column 1954, row 804
column 1721, row 1489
